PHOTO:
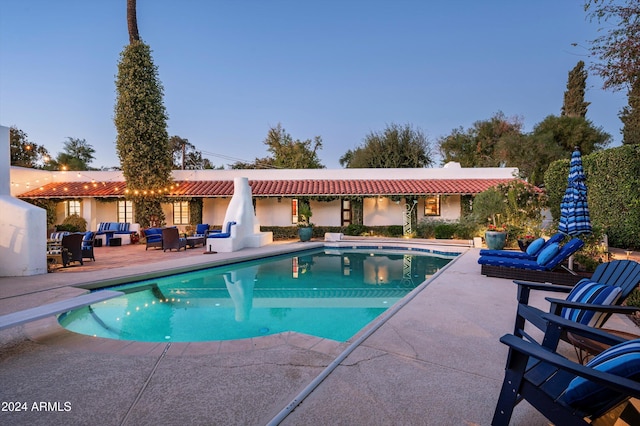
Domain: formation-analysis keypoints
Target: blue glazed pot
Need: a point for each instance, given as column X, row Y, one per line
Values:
column 495, row 239
column 305, row 234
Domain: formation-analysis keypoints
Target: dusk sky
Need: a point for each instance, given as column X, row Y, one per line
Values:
column 339, row 69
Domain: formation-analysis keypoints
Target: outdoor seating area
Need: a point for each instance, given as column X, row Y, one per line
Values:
column 121, row 232
column 408, row 340
column 63, row 248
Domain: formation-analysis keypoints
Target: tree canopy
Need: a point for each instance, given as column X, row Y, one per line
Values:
column 618, row 48
column 286, row 153
column 397, row 146
column 483, row 144
column 186, row 156
column 25, row 153
column 630, row 116
column 77, row 155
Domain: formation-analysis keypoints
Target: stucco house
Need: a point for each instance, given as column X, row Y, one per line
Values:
column 338, row 197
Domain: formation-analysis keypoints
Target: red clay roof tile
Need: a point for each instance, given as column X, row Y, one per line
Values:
column 276, row 188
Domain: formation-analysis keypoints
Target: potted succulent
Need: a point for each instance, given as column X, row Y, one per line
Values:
column 305, row 227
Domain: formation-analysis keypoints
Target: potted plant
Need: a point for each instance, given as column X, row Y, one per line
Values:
column 496, row 234
column 305, row 227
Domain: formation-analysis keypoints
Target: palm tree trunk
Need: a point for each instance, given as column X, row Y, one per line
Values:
column 132, row 21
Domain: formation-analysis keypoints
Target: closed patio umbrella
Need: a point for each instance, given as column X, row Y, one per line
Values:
column 574, row 209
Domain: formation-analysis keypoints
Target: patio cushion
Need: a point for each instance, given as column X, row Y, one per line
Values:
column 113, row 226
column 548, row 253
column 123, row 227
column 622, row 360
column 535, row 246
column 587, row 291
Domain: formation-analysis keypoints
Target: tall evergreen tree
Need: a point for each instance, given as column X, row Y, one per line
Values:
column 630, row 116
column 574, row 104
column 141, row 122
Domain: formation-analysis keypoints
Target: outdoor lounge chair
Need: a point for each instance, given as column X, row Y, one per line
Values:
column 72, row 248
column 565, row 392
column 153, row 237
column 171, row 240
column 88, row 241
column 539, row 270
column 586, row 303
column 531, row 253
column 202, row 229
column 219, row 234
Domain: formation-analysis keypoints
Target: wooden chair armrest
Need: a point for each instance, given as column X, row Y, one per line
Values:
column 618, row 383
column 558, row 304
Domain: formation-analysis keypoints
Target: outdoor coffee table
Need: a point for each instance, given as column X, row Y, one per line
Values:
column 192, row 241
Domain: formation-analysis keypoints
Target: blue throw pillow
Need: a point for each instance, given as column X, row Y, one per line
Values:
column 535, row 246
column 590, row 292
column 547, row 254
column 622, row 360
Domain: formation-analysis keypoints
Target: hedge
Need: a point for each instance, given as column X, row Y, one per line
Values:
column 613, row 188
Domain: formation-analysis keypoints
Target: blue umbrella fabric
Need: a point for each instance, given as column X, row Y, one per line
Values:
column 574, row 209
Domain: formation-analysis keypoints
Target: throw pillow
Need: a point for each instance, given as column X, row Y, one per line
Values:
column 535, row 246
column 547, row 254
column 594, row 293
column 622, row 360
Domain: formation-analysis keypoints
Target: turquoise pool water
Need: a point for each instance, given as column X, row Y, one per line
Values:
column 326, row 293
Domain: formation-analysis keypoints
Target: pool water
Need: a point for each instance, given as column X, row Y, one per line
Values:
column 331, row 294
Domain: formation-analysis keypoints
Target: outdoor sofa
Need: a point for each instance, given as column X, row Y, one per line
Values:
column 123, row 230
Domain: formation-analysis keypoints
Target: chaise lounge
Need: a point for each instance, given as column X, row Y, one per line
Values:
column 534, row 249
column 539, row 270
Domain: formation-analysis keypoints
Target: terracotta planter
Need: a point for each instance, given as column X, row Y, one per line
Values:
column 495, row 240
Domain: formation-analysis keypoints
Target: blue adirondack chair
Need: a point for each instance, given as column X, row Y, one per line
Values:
column 565, row 392
column 590, row 307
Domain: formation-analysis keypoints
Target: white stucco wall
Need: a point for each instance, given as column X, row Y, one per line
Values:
column 382, row 211
column 23, row 226
column 326, row 213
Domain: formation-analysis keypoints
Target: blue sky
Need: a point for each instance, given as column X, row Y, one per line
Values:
column 339, row 69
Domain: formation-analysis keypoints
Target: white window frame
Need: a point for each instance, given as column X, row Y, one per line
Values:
column 181, row 213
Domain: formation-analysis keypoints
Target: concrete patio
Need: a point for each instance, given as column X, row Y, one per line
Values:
column 436, row 361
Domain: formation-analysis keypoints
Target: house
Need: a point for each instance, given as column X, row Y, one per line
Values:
column 338, row 197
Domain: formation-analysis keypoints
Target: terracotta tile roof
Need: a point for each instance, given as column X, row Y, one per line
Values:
column 276, row 188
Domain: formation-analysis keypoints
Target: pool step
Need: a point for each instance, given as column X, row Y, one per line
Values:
column 39, row 312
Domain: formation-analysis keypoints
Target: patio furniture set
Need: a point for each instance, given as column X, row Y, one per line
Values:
column 607, row 375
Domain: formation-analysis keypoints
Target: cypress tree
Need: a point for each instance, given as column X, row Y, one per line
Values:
column 141, row 122
column 630, row 116
column 574, row 104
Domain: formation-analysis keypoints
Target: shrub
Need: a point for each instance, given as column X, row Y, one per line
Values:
column 73, row 223
column 355, row 230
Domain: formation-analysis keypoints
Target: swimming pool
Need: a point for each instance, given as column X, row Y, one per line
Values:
column 329, row 293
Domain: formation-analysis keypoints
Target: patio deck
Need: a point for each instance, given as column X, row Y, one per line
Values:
column 436, row 361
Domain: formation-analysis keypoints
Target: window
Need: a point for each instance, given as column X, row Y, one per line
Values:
column 72, row 207
column 181, row 213
column 432, row 205
column 346, row 213
column 125, row 211
column 294, row 211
